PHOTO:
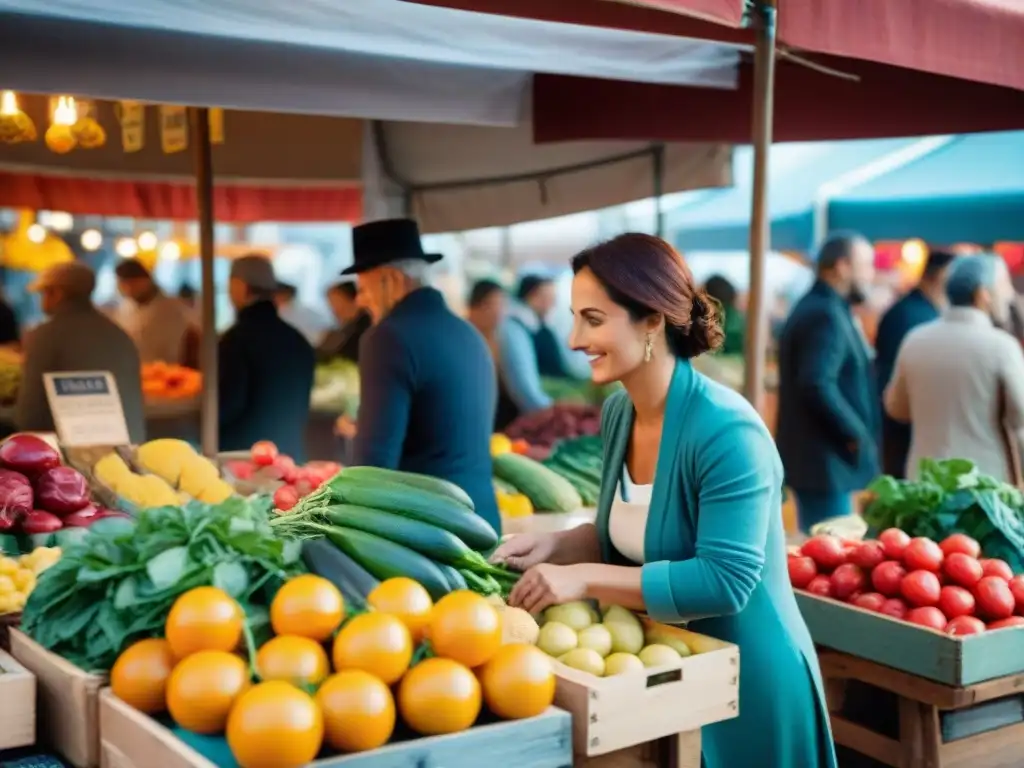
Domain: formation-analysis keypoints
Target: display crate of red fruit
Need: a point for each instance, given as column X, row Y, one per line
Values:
column 263, row 469
column 938, row 610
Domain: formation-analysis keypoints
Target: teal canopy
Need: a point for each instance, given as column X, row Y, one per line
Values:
column 720, row 220
column 970, row 190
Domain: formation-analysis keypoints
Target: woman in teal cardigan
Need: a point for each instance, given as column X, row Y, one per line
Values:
column 709, row 548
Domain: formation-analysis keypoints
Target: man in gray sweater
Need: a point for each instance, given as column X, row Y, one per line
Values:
column 77, row 337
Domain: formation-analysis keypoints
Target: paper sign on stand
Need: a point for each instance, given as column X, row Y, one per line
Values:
column 86, row 408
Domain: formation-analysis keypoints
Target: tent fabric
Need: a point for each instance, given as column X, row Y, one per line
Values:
column 969, row 190
column 720, row 221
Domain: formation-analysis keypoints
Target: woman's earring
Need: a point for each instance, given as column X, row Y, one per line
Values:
column 648, row 349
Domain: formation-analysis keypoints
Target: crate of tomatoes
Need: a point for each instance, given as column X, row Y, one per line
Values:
column 940, row 610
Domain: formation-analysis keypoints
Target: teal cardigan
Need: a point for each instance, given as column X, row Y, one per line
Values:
column 715, row 556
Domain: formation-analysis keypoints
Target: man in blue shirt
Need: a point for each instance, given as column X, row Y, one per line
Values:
column 919, row 306
column 426, row 379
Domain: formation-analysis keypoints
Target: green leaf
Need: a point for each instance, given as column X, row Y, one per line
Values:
column 112, row 527
column 125, row 596
column 231, row 577
column 166, row 569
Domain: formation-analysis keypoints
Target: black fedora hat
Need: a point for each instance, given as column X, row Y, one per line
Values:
column 377, row 243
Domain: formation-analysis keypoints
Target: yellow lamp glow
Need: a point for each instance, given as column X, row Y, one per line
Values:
column 92, row 239
column 126, row 248
column 170, row 251
column 37, row 233
column 147, row 241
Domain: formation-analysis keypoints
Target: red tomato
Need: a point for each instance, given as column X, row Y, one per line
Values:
column 921, row 588
column 962, row 569
column 996, row 567
column 956, row 601
column 960, row 542
column 1012, row 621
column 886, row 578
column 922, row 554
column 285, row 498
column 994, row 598
column 820, row 585
column 1017, row 589
column 868, row 555
column 965, row 625
column 870, row 601
column 826, row 551
column 847, row 580
column 894, row 541
column 894, row 607
column 263, row 453
column 801, row 571
column 928, row 616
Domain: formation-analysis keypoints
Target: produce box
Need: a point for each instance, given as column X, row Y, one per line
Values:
column 68, row 701
column 956, row 661
column 130, row 739
column 17, row 704
column 613, row 713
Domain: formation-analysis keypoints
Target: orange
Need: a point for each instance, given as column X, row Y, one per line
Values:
column 293, row 659
column 378, row 643
column 203, row 688
column 518, row 682
column 359, row 711
column 406, row 599
column 203, row 619
column 139, row 676
column 309, row 606
column 275, row 725
column 439, row 696
column 465, row 627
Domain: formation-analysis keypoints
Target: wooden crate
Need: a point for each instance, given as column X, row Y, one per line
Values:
column 17, row 704
column 932, row 725
column 956, row 661
column 68, row 702
column 613, row 713
column 130, row 739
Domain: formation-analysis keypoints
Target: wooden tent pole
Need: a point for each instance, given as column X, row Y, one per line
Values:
column 764, row 19
column 207, row 292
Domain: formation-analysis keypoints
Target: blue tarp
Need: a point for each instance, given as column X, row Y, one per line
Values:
column 969, row 190
column 720, row 220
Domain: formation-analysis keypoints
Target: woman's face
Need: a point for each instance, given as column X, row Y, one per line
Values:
column 604, row 331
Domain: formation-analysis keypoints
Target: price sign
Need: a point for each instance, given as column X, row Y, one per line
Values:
column 86, row 409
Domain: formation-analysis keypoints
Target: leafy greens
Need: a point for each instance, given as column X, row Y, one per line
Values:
column 117, row 585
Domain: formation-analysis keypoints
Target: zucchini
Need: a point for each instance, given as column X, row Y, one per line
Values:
column 325, row 559
column 418, row 505
column 385, row 559
column 503, row 487
column 455, row 579
column 423, row 482
column 549, row 491
column 436, row 543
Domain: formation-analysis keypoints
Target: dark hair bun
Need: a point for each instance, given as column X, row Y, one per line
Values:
column 705, row 333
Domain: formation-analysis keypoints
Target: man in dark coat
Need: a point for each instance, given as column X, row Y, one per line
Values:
column 265, row 367
column 919, row 306
column 829, row 415
column 427, row 386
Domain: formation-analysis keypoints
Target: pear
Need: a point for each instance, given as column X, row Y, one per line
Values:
column 597, row 638
column 616, row 613
column 576, row 615
column 622, row 663
column 556, row 639
column 585, row 660
column 627, row 636
column 658, row 655
column 660, row 637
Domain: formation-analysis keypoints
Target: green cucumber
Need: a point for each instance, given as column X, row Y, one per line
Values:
column 418, row 505
column 385, row 560
column 412, row 479
column 353, row 581
column 455, row 579
column 436, row 543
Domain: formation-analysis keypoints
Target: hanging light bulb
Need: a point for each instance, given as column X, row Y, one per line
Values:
column 147, row 241
column 66, row 111
column 170, row 251
column 37, row 233
column 92, row 239
column 58, row 221
column 9, row 104
column 126, row 247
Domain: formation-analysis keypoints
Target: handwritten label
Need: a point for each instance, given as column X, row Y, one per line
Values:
column 86, row 409
column 173, row 129
column 133, row 125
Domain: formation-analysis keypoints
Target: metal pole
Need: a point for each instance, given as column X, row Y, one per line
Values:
column 658, row 160
column 764, row 19
column 209, row 437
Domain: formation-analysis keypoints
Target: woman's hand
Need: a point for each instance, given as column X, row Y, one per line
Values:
column 345, row 427
column 546, row 584
column 524, row 551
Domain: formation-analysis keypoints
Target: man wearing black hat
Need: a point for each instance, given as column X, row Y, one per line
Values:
column 427, row 385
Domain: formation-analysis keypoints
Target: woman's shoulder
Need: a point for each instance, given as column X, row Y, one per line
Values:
column 720, row 412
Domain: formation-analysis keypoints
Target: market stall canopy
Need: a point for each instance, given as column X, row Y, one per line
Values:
column 970, row 190
column 847, row 70
column 720, row 219
column 437, row 71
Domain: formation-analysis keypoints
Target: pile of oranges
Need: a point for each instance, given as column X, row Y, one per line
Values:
column 327, row 680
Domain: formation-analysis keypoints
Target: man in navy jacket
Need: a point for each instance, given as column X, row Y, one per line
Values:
column 427, row 382
column 919, row 306
column 829, row 412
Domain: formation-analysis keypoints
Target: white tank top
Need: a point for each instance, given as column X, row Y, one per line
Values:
column 627, row 522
